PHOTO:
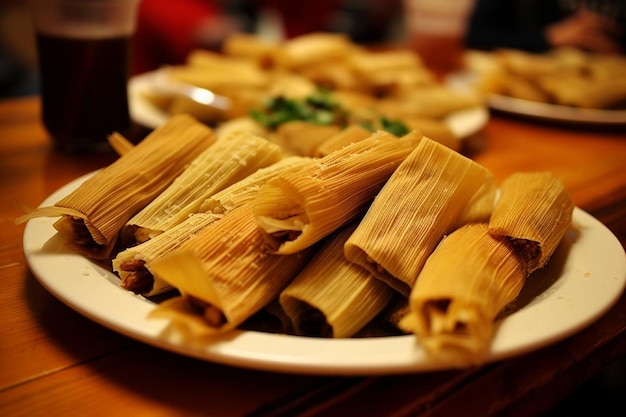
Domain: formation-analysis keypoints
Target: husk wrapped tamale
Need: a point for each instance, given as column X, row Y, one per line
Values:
column 224, row 274
column 133, row 264
column 469, row 278
column 332, row 297
column 534, row 210
column 480, row 268
column 295, row 211
column 225, row 162
column 419, row 204
column 93, row 214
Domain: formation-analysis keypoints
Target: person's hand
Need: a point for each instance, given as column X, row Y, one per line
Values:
column 586, row 30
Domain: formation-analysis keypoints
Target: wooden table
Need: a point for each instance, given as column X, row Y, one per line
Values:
column 54, row 361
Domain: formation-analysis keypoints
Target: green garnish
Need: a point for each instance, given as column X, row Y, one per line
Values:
column 319, row 108
column 394, row 127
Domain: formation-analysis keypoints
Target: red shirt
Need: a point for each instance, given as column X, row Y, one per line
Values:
column 166, row 28
column 165, row 31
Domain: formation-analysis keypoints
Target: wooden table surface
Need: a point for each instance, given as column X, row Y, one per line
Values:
column 53, row 361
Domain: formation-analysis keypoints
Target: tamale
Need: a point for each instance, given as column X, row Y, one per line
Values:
column 271, row 317
column 93, row 214
column 345, row 137
column 332, row 297
column 215, row 71
column 244, row 123
column 332, row 74
column 309, row 48
column 246, row 189
column 389, row 72
column 410, row 215
column 581, row 91
column 479, row 208
column 480, row 268
column 228, row 160
column 297, row 210
column 133, row 264
column 534, row 210
column 435, row 129
column 302, row 138
column 468, row 279
column 254, row 47
column 224, row 274
column 432, row 101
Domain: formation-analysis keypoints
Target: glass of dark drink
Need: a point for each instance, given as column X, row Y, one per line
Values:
column 84, row 65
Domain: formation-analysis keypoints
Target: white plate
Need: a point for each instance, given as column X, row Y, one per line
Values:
column 463, row 123
column 555, row 112
column 584, row 278
column 465, row 80
column 142, row 111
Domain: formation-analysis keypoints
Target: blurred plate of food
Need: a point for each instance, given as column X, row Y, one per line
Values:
column 390, row 84
column 565, row 84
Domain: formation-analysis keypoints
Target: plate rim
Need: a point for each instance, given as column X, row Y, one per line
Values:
column 305, row 355
column 464, row 80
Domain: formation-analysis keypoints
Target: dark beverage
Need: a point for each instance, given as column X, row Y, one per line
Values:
column 84, row 89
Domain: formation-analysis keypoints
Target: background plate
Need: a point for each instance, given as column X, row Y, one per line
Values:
column 465, row 81
column 463, row 123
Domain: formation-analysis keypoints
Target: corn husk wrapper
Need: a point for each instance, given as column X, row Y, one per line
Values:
column 244, row 123
column 296, row 211
column 224, row 163
column 119, row 143
column 225, row 275
column 579, row 91
column 275, row 317
column 417, row 206
column 302, row 138
column 133, row 264
column 310, row 48
column 433, row 101
column 480, row 207
column 332, row 297
column 479, row 269
column 215, row 71
column 332, row 74
column 93, row 215
column 534, row 210
column 469, row 278
column 436, row 129
column 389, row 72
column 257, row 48
column 349, row 135
column 246, row 190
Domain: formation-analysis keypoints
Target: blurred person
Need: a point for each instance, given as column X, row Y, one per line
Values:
column 167, row 30
column 540, row 25
column 364, row 21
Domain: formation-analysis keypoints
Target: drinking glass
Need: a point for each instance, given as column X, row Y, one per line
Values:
column 84, row 53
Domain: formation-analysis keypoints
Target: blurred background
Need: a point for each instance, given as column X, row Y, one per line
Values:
column 168, row 29
column 177, row 26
